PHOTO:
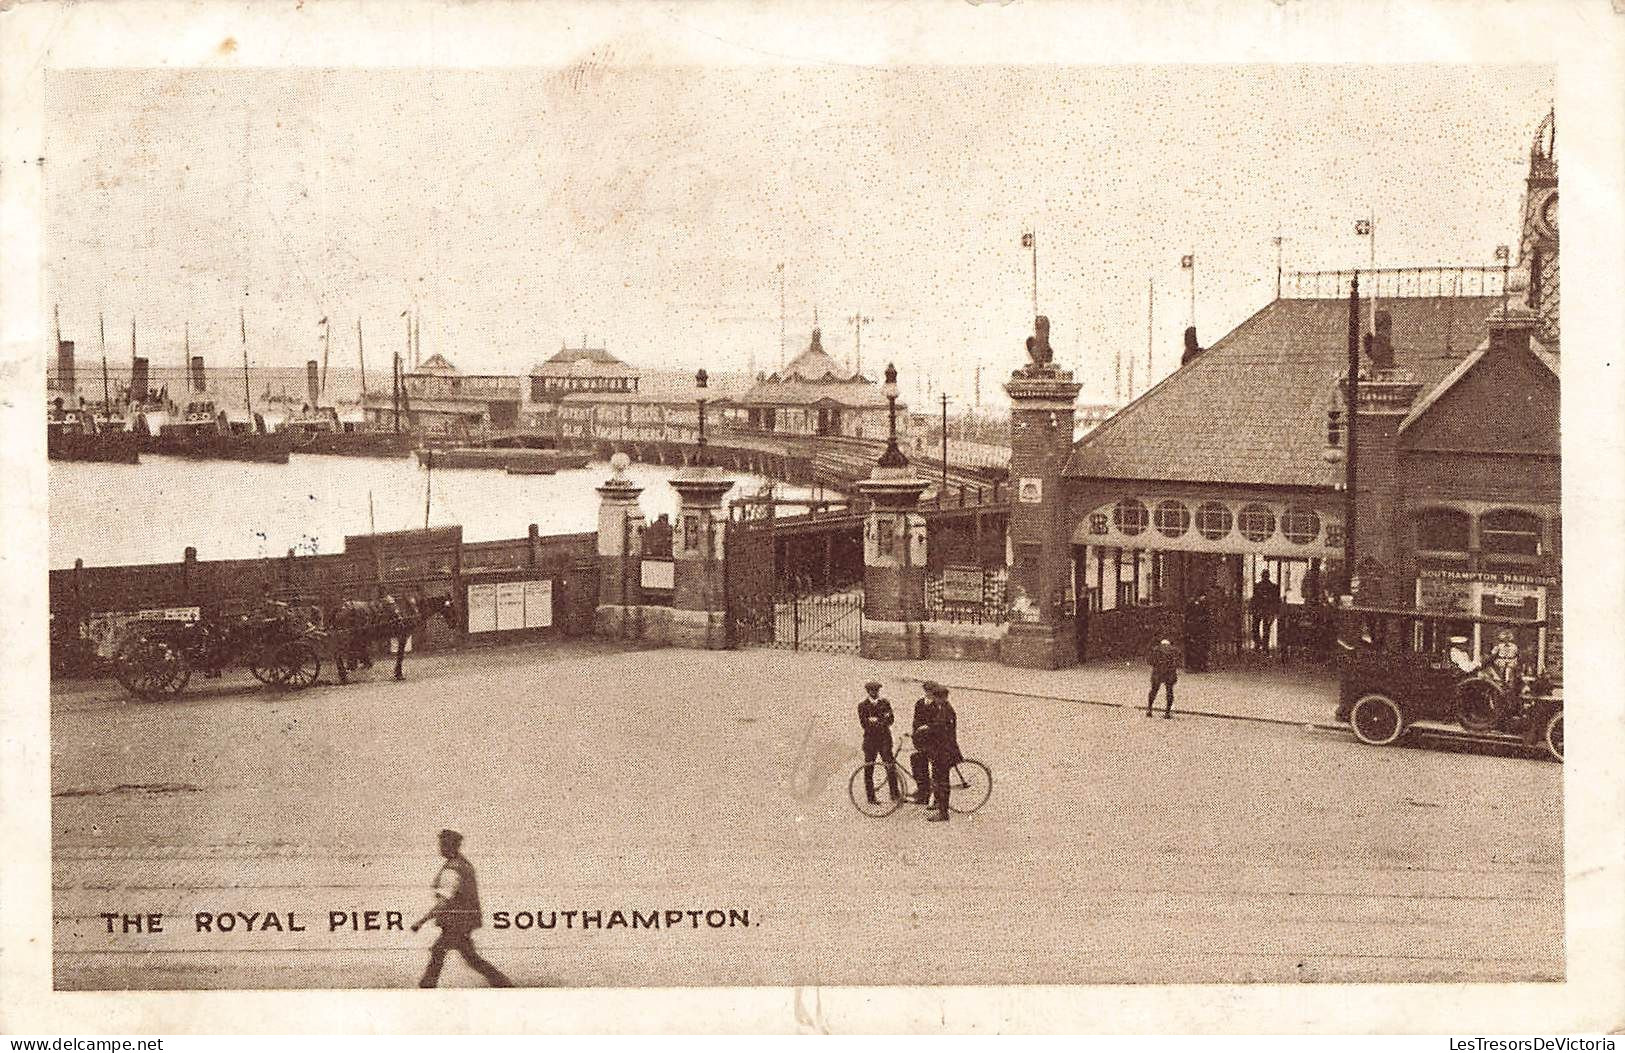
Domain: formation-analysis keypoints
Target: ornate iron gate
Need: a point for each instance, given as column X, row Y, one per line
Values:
column 831, row 621
column 748, row 577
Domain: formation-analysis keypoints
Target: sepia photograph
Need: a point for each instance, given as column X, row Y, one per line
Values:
column 795, row 523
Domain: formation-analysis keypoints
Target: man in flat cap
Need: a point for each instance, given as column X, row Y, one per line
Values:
column 875, row 718
column 457, row 911
column 936, row 736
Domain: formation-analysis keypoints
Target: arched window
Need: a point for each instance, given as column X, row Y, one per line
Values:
column 1131, row 516
column 1442, row 530
column 1173, row 518
column 1213, row 520
column 1256, row 522
column 1300, row 525
column 1510, row 533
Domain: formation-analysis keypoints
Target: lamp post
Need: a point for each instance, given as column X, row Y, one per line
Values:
column 1350, row 471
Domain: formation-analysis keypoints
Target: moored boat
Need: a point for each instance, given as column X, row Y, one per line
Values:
column 76, row 434
column 203, row 432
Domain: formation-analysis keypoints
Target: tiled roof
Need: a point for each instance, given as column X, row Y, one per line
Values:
column 597, row 355
column 813, row 364
column 1251, row 409
column 436, row 364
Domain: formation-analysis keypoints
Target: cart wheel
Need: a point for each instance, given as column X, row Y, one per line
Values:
column 970, row 784
column 264, row 673
column 298, row 666
column 150, row 666
column 1377, row 720
column 1479, row 704
column 884, row 803
column 1553, row 735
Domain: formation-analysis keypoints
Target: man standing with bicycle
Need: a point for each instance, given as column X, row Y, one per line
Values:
column 875, row 717
column 936, row 737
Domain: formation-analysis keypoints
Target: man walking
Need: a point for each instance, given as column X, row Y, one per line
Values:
column 1266, row 607
column 875, row 718
column 1164, row 661
column 457, row 911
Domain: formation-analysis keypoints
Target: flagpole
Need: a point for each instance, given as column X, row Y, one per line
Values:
column 1371, row 226
column 783, row 340
column 56, row 352
column 1193, row 289
column 1035, row 272
column 321, row 390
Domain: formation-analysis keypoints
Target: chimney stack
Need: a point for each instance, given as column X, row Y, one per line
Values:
column 197, row 374
column 1512, row 329
column 65, row 380
column 1382, row 342
column 1191, row 347
column 313, row 382
column 138, row 379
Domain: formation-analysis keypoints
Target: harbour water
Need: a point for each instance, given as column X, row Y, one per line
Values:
column 109, row 514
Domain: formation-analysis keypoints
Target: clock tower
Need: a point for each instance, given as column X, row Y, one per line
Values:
column 1537, row 242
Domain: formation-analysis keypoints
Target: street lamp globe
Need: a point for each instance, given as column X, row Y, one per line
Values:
column 889, row 389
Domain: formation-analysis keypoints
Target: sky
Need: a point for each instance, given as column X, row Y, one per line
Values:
column 648, row 208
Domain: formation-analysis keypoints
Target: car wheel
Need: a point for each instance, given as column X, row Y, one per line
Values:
column 1377, row 720
column 1553, row 735
column 1479, row 704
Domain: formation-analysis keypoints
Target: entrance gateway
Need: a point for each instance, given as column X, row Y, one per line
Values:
column 1137, row 561
column 790, row 595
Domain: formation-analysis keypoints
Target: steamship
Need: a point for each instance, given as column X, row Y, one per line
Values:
column 79, row 433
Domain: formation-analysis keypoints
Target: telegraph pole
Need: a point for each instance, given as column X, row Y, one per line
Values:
column 942, row 491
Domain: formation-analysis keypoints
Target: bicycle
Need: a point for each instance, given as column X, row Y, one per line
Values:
column 970, row 783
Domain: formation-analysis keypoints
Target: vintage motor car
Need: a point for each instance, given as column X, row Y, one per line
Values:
column 1397, row 675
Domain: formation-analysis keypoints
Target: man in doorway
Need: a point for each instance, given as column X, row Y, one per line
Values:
column 457, row 911
column 1198, row 633
column 1164, row 662
column 1266, row 608
column 875, row 718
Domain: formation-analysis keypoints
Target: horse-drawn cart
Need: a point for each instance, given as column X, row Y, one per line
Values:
column 281, row 648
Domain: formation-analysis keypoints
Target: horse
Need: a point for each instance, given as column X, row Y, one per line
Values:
column 360, row 625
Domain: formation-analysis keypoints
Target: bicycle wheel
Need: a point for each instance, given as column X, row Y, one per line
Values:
column 884, row 803
column 970, row 784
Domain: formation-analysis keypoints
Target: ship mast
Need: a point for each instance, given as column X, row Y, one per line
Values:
column 248, row 396
column 107, row 395
column 361, row 355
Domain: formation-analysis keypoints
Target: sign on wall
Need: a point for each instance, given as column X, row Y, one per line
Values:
column 509, row 605
column 539, row 604
column 482, row 608
column 107, row 629
column 659, row 575
column 962, row 585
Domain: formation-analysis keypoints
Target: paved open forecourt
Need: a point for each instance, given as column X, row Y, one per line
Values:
column 1114, row 849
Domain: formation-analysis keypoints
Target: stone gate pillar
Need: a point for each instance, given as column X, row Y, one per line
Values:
column 699, row 603
column 894, row 551
column 1042, row 402
column 620, row 526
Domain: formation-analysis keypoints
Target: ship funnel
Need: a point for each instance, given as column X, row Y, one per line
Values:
column 197, row 374
column 66, row 382
column 313, row 382
column 138, row 380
